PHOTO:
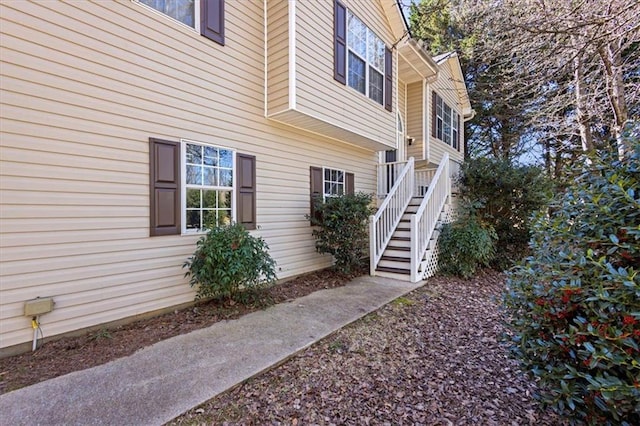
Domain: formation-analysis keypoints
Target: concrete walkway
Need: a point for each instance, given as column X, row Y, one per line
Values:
column 160, row 382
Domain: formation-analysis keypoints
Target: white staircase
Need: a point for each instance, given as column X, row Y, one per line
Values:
column 396, row 258
column 404, row 231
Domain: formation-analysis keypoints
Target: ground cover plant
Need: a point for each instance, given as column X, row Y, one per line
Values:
column 575, row 303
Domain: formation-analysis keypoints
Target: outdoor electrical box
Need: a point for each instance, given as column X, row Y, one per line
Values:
column 38, row 306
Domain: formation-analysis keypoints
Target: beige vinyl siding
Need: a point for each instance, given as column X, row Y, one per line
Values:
column 278, row 56
column 415, row 115
column 402, row 102
column 317, row 93
column 84, row 85
column 447, row 90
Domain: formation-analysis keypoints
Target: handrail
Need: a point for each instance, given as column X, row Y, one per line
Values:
column 384, row 222
column 424, row 220
column 387, row 176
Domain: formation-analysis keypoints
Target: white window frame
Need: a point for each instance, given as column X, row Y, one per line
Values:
column 196, row 14
column 451, row 124
column 184, row 186
column 326, row 195
column 367, row 64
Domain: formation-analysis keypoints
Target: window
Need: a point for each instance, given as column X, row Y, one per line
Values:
column 208, row 183
column 446, row 124
column 361, row 59
column 193, row 185
column 333, row 183
column 180, row 10
column 205, row 16
column 326, row 182
column 365, row 64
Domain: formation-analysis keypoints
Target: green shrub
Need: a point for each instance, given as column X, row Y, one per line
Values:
column 229, row 261
column 464, row 245
column 574, row 305
column 505, row 196
column 343, row 230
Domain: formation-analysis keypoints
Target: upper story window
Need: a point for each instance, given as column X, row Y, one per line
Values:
column 208, row 186
column 360, row 58
column 446, row 122
column 180, row 10
column 365, row 64
column 205, row 16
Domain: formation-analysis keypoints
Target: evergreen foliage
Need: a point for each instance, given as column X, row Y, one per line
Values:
column 230, row 263
column 574, row 304
column 342, row 229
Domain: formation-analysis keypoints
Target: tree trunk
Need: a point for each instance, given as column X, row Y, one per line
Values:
column 611, row 57
column 581, row 106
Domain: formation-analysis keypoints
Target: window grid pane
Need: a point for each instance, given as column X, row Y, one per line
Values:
column 366, row 59
column 180, row 10
column 209, row 183
column 376, row 86
column 333, row 182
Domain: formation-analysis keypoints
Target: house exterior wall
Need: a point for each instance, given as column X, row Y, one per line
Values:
column 84, row 86
column 415, row 116
column 278, row 38
column 301, row 88
column 447, row 90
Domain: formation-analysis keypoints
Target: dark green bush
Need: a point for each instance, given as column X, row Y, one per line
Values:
column 228, row 263
column 342, row 230
column 505, row 196
column 464, row 245
column 574, row 304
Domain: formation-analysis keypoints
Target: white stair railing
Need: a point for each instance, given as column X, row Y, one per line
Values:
column 423, row 179
column 424, row 221
column 384, row 222
column 387, row 176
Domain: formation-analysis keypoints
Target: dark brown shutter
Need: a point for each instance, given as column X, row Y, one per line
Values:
column 212, row 20
column 317, row 190
column 246, row 190
column 340, row 42
column 164, row 177
column 434, row 99
column 388, row 79
column 349, row 183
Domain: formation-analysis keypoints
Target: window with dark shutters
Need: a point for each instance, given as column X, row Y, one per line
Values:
column 166, row 209
column 317, row 184
column 246, row 190
column 340, row 42
column 164, row 168
column 212, row 20
column 388, row 79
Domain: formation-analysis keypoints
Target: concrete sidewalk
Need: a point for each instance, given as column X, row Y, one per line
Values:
column 162, row 381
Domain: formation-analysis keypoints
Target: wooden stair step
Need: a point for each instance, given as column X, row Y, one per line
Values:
column 393, row 270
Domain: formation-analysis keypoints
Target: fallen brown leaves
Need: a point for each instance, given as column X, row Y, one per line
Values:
column 433, row 357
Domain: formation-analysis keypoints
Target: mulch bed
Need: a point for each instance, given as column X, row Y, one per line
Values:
column 434, row 357
column 65, row 355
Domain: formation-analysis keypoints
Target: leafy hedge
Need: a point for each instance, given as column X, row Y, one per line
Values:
column 342, row 229
column 464, row 245
column 228, row 263
column 574, row 305
column 504, row 196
